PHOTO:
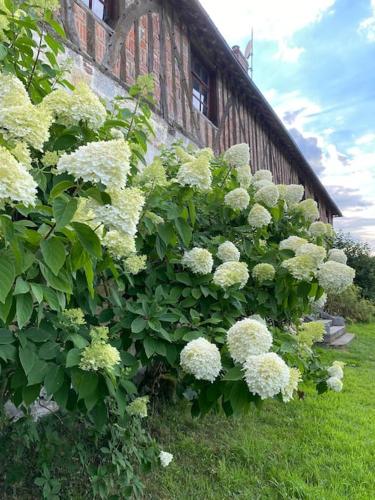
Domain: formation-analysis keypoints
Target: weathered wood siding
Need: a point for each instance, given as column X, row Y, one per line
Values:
column 155, row 40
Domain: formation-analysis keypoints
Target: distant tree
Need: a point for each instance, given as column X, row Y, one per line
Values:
column 360, row 258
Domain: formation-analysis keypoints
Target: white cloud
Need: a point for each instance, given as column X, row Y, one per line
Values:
column 367, row 26
column 349, row 177
column 272, row 20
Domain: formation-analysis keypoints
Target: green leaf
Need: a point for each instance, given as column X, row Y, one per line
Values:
column 21, row 286
column 150, row 346
column 138, row 325
column 60, row 187
column 30, row 394
column 53, row 252
column 6, row 337
column 24, row 309
column 84, row 383
column 3, row 51
column 48, row 350
column 54, row 379
column 78, row 340
column 73, row 358
column 28, row 358
column 184, row 230
column 50, row 296
column 235, row 373
column 7, row 276
column 62, row 282
column 88, row 239
column 37, row 372
column 37, row 291
column 8, row 352
column 63, row 211
column 5, row 308
column 38, row 334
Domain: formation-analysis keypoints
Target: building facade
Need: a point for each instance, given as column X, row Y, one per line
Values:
column 203, row 91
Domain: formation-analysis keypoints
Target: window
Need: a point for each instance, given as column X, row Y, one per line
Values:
column 204, row 98
column 103, row 9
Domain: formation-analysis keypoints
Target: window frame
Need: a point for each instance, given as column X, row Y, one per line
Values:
column 110, row 10
column 208, row 110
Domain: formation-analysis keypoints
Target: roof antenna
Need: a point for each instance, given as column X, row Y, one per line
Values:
column 249, row 53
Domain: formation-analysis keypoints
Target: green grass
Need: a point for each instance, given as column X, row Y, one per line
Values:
column 320, row 448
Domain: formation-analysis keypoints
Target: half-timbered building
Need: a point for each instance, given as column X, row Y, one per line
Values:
column 203, row 91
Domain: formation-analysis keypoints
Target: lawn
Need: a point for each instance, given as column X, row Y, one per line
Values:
column 320, row 448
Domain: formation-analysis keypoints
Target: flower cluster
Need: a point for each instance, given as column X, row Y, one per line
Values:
column 244, row 176
column 16, row 183
column 105, row 162
column 301, row 267
column 119, row 245
column 152, row 175
column 337, row 255
column 294, row 379
column 138, row 407
column 248, row 337
column 237, row 199
column 238, row 155
column 165, row 458
column 201, row 359
column 22, row 153
column 19, row 118
column 334, row 277
column 335, row 384
column 290, row 193
column 228, row 252
column 336, row 370
column 308, row 209
column 259, row 217
column 316, row 252
column 263, row 272
column 262, row 175
column 71, row 108
column 72, row 318
column 266, row 374
column 268, row 195
column 231, row 273
column 99, row 355
column 318, row 229
column 198, row 260
column 124, row 212
column 135, row 264
column 292, row 243
column 196, row 173
column 310, row 332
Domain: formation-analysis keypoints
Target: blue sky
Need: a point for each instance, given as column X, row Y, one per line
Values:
column 314, row 60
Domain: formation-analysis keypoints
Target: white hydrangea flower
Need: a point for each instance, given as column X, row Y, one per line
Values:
column 293, row 194
column 318, row 229
column 202, row 359
column 134, row 264
column 125, row 211
column 308, row 209
column 292, row 243
column 261, row 184
column 237, row 155
column 317, row 305
column 16, row 183
column 153, row 175
column 165, row 458
column 294, row 379
column 259, row 217
column 335, row 384
column 334, row 277
column 268, row 195
column 262, row 175
column 227, row 252
column 237, row 199
column 244, row 176
column 263, row 272
column 198, row 260
column 231, row 273
column 138, row 407
column 196, row 173
column 70, row 108
column 266, row 374
column 246, row 338
column 317, row 252
column 337, row 255
column 107, row 162
column 22, row 154
column 330, row 232
column 335, row 370
column 12, row 91
column 301, row 267
column 119, row 245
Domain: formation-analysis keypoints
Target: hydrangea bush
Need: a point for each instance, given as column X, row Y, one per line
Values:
column 188, row 270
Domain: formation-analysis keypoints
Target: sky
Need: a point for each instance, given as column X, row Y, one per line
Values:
column 314, row 60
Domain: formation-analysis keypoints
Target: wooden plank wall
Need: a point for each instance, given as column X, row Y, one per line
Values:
column 158, row 42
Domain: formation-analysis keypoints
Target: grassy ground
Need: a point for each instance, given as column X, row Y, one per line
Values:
column 320, row 448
